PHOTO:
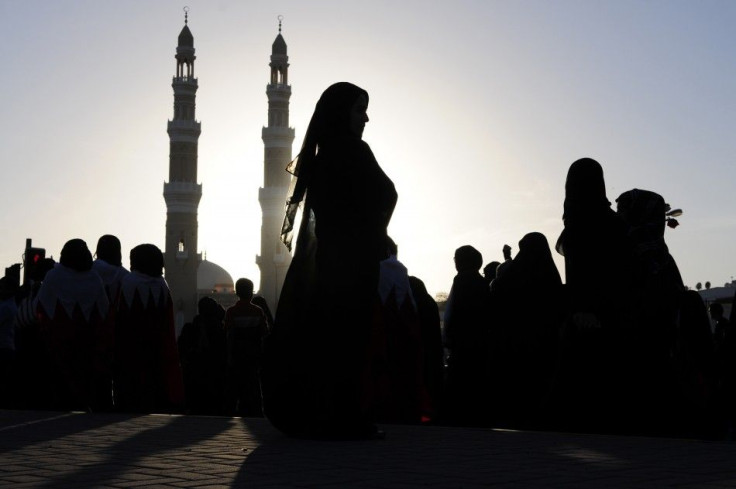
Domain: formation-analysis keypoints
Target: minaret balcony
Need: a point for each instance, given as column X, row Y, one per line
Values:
column 184, row 80
column 182, row 197
column 184, row 131
column 278, row 93
column 277, row 137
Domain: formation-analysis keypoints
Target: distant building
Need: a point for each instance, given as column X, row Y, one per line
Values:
column 277, row 138
column 723, row 295
column 214, row 281
column 185, row 272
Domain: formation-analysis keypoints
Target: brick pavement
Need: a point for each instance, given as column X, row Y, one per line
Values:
column 75, row 450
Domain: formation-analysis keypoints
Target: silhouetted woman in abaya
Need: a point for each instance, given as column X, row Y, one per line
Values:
column 524, row 338
column 315, row 372
column 594, row 374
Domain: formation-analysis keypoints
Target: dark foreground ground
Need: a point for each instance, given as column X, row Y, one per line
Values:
column 74, row 450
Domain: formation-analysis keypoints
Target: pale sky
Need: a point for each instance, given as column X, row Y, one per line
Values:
column 477, row 110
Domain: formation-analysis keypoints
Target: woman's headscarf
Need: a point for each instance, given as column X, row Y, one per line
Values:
column 585, row 189
column 76, row 255
column 330, row 122
column 468, row 259
column 585, row 197
column 108, row 249
column 147, row 259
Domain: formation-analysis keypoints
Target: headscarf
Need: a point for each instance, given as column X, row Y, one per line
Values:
column 147, row 259
column 108, row 249
column 532, row 266
column 468, row 259
column 585, row 190
column 585, row 198
column 76, row 255
column 644, row 214
column 330, row 122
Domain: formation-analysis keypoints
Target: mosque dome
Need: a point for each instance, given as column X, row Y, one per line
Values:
column 213, row 278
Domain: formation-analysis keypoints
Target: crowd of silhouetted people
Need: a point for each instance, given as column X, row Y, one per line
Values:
column 87, row 334
column 622, row 347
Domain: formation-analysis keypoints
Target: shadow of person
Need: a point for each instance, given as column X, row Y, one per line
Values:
column 143, row 446
column 22, row 428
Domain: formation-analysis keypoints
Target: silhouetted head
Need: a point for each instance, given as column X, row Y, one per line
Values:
column 585, row 187
column 489, row 271
column 147, row 259
column 535, row 243
column 340, row 113
column 207, row 306
column 76, row 255
column 468, row 259
column 643, row 211
column 108, row 249
column 244, row 289
column 716, row 310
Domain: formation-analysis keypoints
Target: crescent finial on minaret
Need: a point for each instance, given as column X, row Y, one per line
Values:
column 281, row 18
column 186, row 15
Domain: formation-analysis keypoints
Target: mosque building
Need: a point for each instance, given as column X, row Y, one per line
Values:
column 190, row 277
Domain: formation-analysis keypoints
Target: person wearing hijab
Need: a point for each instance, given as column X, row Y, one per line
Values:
column 147, row 371
column 72, row 307
column 658, row 309
column 524, row 339
column 599, row 267
column 109, row 265
column 315, row 356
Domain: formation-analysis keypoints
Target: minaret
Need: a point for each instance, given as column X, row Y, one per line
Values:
column 277, row 139
column 182, row 193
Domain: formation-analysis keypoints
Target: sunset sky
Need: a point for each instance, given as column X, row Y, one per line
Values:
column 477, row 109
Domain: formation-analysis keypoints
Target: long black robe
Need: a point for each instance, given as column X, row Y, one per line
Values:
column 315, row 356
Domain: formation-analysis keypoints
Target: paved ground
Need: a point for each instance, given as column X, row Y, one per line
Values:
column 75, row 450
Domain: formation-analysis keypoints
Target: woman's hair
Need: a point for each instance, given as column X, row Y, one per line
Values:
column 108, row 249
column 330, row 123
column 147, row 259
column 76, row 255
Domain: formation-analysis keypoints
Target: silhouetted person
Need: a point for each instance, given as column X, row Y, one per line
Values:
column 466, row 338
column 725, row 347
column 396, row 347
column 202, row 348
column 32, row 357
column 73, row 308
column 8, row 311
column 109, row 265
column 657, row 288
column 489, row 272
column 594, row 377
column 432, row 350
column 245, row 327
column 695, row 368
column 315, row 358
column 720, row 323
column 147, row 372
column 259, row 301
column 527, row 313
